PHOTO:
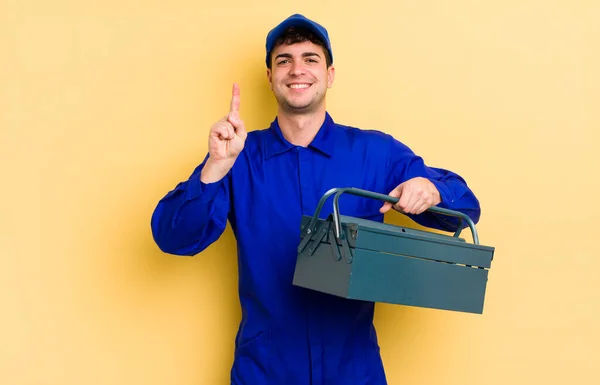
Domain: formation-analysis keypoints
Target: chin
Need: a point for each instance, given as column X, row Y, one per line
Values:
column 299, row 107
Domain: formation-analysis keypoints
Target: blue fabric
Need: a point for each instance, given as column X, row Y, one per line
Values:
column 290, row 335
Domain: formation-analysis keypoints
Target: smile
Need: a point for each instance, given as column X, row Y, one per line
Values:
column 298, row 86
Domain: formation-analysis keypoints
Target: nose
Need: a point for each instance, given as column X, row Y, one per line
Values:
column 297, row 69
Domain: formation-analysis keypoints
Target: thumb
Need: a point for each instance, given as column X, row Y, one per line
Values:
column 394, row 193
column 385, row 208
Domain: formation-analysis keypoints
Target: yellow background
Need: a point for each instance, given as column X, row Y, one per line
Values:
column 105, row 106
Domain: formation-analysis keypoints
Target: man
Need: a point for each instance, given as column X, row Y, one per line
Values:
column 264, row 181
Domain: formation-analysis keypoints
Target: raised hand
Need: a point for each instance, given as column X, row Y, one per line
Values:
column 227, row 136
column 225, row 141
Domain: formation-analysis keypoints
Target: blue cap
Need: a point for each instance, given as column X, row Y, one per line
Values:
column 297, row 20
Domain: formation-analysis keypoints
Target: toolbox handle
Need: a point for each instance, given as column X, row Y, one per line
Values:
column 386, row 198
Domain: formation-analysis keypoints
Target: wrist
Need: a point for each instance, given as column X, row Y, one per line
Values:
column 215, row 170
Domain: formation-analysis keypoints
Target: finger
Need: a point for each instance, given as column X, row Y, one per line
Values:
column 416, row 201
column 395, row 193
column 235, row 98
column 220, row 131
column 405, row 199
column 224, row 131
column 238, row 124
column 241, row 131
column 385, row 208
column 234, row 119
column 220, row 123
column 422, row 208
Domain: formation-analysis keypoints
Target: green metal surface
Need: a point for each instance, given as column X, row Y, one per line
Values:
column 417, row 282
column 365, row 260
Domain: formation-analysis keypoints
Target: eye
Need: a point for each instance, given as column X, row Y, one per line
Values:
column 310, row 60
column 284, row 61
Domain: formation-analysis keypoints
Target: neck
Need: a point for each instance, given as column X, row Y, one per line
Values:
column 300, row 129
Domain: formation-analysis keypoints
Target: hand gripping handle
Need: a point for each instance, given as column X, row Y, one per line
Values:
column 386, row 198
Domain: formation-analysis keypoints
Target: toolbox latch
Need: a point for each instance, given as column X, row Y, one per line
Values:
column 340, row 246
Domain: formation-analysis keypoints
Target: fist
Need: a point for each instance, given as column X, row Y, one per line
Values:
column 415, row 196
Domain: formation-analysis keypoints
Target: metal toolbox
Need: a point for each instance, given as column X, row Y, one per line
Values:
column 366, row 260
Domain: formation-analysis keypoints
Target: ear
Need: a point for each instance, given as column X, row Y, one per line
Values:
column 330, row 76
column 269, row 78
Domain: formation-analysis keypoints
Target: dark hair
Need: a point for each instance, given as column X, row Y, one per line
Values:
column 295, row 35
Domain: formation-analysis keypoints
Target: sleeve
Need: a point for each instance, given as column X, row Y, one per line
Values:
column 191, row 216
column 455, row 194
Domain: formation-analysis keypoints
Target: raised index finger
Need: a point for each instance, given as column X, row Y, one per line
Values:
column 235, row 98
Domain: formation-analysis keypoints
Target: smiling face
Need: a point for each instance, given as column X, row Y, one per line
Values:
column 299, row 77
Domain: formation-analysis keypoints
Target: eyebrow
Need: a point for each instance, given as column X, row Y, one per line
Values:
column 305, row 54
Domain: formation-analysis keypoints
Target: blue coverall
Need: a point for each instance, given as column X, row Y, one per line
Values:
column 290, row 335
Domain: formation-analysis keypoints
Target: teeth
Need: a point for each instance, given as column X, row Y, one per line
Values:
column 299, row 85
